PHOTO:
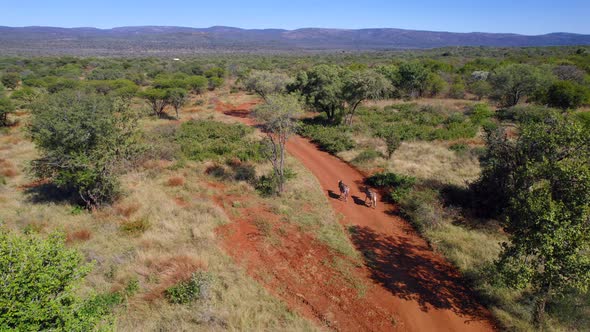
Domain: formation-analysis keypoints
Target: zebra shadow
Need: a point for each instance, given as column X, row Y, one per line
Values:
column 334, row 195
column 358, row 201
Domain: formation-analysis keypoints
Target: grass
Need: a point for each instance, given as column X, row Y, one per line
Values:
column 177, row 239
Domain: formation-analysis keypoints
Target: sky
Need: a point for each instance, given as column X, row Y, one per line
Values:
column 517, row 16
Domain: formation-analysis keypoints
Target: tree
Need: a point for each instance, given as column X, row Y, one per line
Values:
column 278, row 117
column 567, row 95
column 6, row 107
column 513, row 82
column 157, row 98
column 10, row 80
column 25, row 96
column 177, row 98
column 265, row 83
column 84, row 141
column 321, row 88
column 569, row 73
column 480, row 88
column 544, row 184
column 392, row 141
column 435, row 85
column 412, row 78
column 215, row 82
column 197, row 84
column 360, row 86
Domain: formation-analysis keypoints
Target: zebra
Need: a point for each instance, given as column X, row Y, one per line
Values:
column 371, row 196
column 344, row 190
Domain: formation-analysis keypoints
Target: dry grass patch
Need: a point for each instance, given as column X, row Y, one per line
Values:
column 175, row 181
column 79, row 235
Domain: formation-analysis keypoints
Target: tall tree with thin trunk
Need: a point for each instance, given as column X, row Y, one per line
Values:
column 278, row 117
column 360, row 86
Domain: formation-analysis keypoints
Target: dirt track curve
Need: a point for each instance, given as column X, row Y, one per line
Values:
column 424, row 290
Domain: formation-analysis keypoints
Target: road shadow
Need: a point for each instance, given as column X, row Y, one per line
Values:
column 408, row 271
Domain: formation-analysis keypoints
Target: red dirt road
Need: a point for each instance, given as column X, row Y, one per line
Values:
column 422, row 289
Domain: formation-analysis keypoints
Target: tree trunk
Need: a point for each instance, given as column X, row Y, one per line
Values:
column 540, row 303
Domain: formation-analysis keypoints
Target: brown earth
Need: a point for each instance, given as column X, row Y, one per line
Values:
column 412, row 288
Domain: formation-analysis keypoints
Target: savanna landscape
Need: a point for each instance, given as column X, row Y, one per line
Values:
column 419, row 189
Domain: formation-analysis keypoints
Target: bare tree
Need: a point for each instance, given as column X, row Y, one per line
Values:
column 278, row 117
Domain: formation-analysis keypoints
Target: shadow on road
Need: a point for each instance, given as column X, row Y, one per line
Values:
column 407, row 272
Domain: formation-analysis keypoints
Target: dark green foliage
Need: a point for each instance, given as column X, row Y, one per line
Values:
column 410, row 122
column 397, row 186
column 267, row 184
column 39, row 290
column 197, row 287
column 6, row 107
column 584, row 118
column 567, row 95
column 84, row 140
column 212, row 140
column 412, row 78
column 513, row 82
column 332, row 139
column 10, row 80
column 366, row 156
column 540, row 182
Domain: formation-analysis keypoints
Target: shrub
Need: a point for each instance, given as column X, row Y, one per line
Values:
column 422, row 208
column 212, row 140
column 267, row 184
column 332, row 139
column 39, row 286
column 84, row 140
column 136, row 226
column 6, row 107
column 459, row 147
column 197, row 287
column 567, row 95
column 479, row 113
column 398, row 185
column 366, row 156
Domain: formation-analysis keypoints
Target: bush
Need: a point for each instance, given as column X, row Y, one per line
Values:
column 39, row 286
column 84, row 140
column 422, row 208
column 459, row 147
column 398, row 185
column 197, row 287
column 267, row 184
column 366, row 156
column 212, row 140
column 332, row 139
column 479, row 113
column 6, row 107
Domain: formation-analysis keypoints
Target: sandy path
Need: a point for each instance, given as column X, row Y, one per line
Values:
column 425, row 292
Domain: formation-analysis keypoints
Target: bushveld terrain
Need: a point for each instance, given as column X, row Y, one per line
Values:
column 196, row 236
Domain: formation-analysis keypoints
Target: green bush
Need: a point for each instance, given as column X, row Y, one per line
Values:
column 39, row 286
column 422, row 208
column 397, row 185
column 480, row 113
column 197, row 287
column 459, row 148
column 84, row 140
column 332, row 139
column 267, row 184
column 212, row 140
column 366, row 156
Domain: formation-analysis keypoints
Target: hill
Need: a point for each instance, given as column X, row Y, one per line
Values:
column 160, row 40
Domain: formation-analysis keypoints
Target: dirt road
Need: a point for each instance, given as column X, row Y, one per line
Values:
column 425, row 292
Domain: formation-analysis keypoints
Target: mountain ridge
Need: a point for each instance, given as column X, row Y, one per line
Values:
column 171, row 39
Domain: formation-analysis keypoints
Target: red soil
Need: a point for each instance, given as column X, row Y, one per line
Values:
column 412, row 287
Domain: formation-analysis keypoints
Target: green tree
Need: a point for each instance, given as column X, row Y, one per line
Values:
column 84, row 141
column 480, row 88
column 198, row 84
column 512, row 82
column 157, row 99
column 215, row 82
column 6, row 107
column 265, row 83
column 544, row 178
column 177, row 98
column 321, row 88
column 360, row 86
column 40, row 279
column 567, row 95
column 278, row 116
column 435, row 85
column 413, row 77
column 392, row 141
column 10, row 80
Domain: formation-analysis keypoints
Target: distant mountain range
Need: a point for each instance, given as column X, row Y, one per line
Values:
column 146, row 40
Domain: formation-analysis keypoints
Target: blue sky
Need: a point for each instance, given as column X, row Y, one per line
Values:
column 519, row 16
